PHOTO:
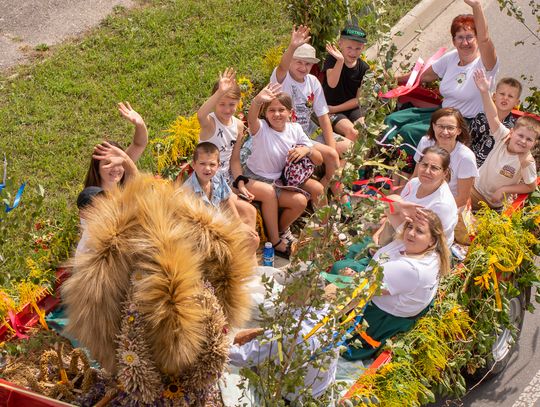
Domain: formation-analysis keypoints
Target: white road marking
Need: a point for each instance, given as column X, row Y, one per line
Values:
column 530, row 394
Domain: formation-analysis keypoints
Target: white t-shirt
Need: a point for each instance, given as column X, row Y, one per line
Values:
column 307, row 97
column 441, row 202
column 224, row 138
column 503, row 168
column 462, row 162
column 457, row 83
column 270, row 148
column 411, row 280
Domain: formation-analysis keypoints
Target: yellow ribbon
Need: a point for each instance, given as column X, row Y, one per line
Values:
column 352, row 314
column 41, row 315
column 496, row 288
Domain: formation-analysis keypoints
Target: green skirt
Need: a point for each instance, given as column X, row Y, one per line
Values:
column 382, row 326
column 412, row 124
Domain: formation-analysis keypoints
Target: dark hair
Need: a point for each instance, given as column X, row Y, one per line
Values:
column 234, row 93
column 464, row 136
column 510, row 82
column 283, row 98
column 462, row 22
column 441, row 152
column 205, row 148
column 93, row 179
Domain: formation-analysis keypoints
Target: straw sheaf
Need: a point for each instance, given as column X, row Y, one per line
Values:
column 100, row 278
column 226, row 261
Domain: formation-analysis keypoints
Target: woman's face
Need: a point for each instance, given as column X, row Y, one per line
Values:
column 430, row 170
column 110, row 176
column 446, row 130
column 466, row 44
column 417, row 237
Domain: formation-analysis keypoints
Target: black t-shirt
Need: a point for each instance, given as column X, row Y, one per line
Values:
column 348, row 84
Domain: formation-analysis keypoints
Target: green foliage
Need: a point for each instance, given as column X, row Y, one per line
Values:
column 327, row 18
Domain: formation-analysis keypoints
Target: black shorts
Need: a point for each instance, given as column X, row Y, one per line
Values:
column 352, row 115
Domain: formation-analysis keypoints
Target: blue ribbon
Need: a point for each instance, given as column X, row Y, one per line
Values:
column 17, row 200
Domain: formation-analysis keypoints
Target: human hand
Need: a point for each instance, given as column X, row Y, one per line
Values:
column 111, row 155
column 244, row 191
column 482, row 83
column 347, row 271
column 129, row 114
column 411, row 211
column 297, row 153
column 299, row 36
column 226, row 80
column 247, row 335
column 268, row 93
column 334, row 51
column 473, row 3
column 497, row 196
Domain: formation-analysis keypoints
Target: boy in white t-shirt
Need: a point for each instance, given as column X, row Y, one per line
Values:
column 510, row 161
column 308, row 97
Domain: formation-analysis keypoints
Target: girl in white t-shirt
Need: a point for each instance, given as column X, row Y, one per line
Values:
column 448, row 129
column 275, row 141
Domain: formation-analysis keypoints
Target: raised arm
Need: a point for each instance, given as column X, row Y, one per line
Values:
column 299, row 36
column 140, row 137
column 490, row 110
column 268, row 94
column 226, row 82
column 114, row 156
column 333, row 74
column 485, row 45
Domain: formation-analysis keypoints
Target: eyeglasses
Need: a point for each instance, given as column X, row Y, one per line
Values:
column 442, row 127
column 429, row 167
column 461, row 39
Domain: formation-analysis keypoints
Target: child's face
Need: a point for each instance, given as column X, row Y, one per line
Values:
column 206, row 166
column 277, row 115
column 226, row 108
column 351, row 50
column 299, row 69
column 110, row 176
column 521, row 140
column 506, row 97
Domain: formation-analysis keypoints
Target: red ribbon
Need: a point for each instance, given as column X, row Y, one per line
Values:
column 382, row 198
column 16, row 325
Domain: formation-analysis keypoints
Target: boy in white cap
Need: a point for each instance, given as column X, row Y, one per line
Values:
column 344, row 73
column 308, row 97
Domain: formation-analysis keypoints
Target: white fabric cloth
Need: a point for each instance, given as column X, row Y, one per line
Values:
column 270, row 148
column 462, row 162
column 441, row 202
column 411, row 280
column 308, row 97
column 457, row 83
column 224, row 138
column 317, row 379
column 503, row 168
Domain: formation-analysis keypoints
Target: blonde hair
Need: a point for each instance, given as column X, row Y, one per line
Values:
column 437, row 233
column 530, row 123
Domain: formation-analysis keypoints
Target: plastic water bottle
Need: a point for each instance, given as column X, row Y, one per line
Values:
column 268, row 255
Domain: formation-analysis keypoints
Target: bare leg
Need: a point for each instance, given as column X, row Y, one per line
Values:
column 316, row 190
column 247, row 212
column 265, row 194
column 346, row 128
column 293, row 205
column 331, row 162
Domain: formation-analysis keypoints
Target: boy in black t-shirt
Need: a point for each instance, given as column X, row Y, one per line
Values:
column 344, row 73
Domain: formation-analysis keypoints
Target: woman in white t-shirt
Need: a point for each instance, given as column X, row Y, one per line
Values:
column 411, row 266
column 277, row 141
column 449, row 130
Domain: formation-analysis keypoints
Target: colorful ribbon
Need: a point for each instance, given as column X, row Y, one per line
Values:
column 16, row 325
column 17, row 199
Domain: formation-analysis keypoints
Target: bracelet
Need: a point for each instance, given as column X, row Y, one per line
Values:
column 238, row 179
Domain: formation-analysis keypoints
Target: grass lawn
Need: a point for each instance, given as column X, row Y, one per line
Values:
column 161, row 56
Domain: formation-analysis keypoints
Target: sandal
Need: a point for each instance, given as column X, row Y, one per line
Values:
column 283, row 253
column 288, row 236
